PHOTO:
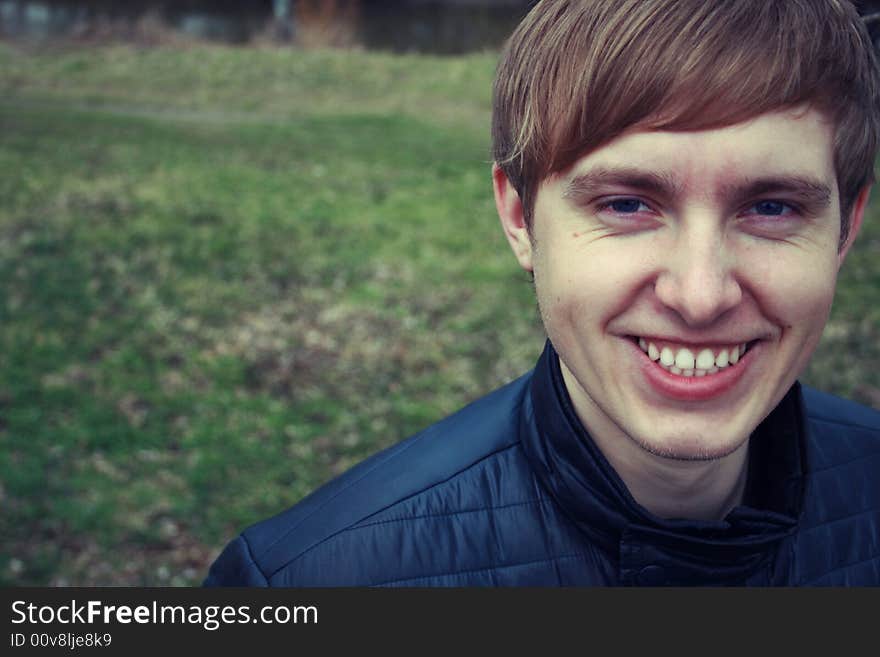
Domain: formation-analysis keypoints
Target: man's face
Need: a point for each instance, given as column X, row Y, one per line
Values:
column 685, row 277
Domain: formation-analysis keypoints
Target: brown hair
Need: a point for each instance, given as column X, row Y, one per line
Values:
column 577, row 73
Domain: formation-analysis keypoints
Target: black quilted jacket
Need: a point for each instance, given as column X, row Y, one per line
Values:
column 510, row 491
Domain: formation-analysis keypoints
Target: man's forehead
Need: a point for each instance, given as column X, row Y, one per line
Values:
column 797, row 146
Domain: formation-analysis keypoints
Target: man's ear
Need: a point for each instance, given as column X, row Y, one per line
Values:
column 856, row 216
column 510, row 211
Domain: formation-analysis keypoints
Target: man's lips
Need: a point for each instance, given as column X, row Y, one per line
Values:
column 697, row 380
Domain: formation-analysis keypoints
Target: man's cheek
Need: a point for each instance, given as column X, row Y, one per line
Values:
column 806, row 301
column 790, row 287
column 564, row 301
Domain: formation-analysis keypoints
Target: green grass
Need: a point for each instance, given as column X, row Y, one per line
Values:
column 227, row 275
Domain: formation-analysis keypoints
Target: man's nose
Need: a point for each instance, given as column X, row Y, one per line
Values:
column 698, row 279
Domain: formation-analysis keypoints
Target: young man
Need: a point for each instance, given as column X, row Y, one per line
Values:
column 683, row 178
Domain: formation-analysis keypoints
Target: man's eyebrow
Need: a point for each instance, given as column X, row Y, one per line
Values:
column 582, row 187
column 808, row 190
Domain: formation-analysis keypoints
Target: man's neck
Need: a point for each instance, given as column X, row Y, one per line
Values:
column 696, row 490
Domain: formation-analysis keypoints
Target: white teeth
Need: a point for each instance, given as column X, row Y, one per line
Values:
column 684, row 359
column 734, row 355
column 705, row 359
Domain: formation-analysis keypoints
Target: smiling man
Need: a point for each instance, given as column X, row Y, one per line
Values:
column 684, row 279
column 683, row 179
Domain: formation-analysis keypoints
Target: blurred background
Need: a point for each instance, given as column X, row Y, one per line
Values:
column 244, row 245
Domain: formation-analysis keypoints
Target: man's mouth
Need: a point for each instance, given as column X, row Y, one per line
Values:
column 692, row 360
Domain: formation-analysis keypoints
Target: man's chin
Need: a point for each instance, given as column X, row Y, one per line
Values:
column 706, row 431
column 697, row 445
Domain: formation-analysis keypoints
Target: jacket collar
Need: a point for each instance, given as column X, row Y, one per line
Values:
column 589, row 491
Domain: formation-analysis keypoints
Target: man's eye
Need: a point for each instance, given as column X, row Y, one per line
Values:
column 625, row 205
column 771, row 208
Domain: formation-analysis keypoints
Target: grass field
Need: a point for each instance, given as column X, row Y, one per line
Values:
column 227, row 275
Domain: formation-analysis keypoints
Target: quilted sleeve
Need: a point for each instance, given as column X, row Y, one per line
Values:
column 235, row 567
